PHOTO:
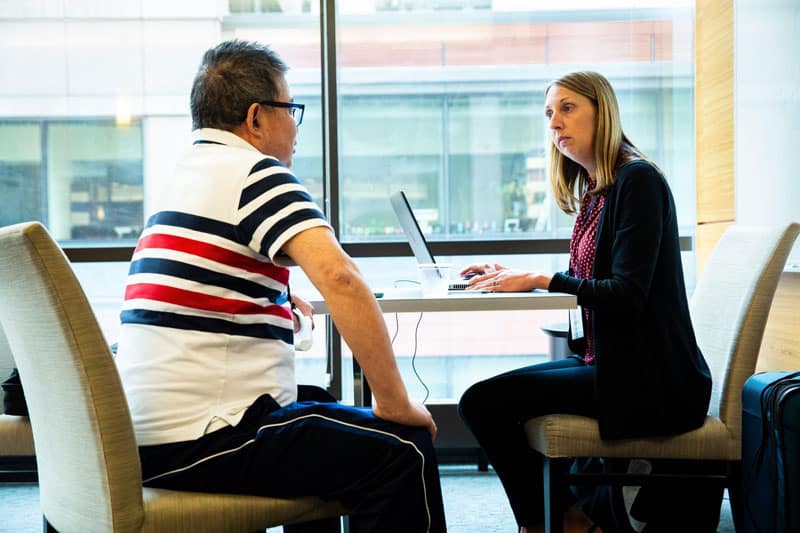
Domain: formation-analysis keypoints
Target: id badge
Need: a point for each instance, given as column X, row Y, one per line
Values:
column 576, row 323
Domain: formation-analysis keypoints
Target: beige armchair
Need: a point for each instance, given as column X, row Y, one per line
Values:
column 88, row 464
column 729, row 310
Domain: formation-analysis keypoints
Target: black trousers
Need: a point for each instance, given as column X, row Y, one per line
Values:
column 385, row 473
column 496, row 409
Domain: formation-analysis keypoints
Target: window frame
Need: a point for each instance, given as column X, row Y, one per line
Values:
column 123, row 251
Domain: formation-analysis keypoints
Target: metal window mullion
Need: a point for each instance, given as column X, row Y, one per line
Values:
column 44, row 178
column 444, row 189
column 330, row 168
column 330, row 137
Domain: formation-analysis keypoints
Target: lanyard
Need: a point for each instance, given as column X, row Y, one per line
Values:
column 588, row 212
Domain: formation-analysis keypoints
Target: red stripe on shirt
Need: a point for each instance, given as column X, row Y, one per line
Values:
column 197, row 300
column 214, row 253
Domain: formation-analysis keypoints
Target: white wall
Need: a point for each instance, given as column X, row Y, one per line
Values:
column 165, row 141
column 89, row 57
column 767, row 112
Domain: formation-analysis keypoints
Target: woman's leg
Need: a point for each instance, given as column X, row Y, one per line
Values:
column 496, row 409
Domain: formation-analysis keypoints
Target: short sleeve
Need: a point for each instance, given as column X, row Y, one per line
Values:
column 274, row 207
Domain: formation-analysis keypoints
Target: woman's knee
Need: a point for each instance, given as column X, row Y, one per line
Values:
column 474, row 400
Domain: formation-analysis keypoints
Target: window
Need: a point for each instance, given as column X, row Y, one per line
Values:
column 21, row 182
column 444, row 100
column 440, row 98
column 82, row 178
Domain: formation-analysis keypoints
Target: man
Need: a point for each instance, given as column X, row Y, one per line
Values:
column 205, row 350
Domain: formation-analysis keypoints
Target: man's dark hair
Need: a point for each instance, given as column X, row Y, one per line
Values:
column 232, row 76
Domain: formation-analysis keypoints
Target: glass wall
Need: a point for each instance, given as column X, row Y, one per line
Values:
column 440, row 98
column 22, row 186
column 83, row 179
column 444, row 100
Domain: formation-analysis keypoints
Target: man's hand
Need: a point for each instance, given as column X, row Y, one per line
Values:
column 305, row 308
column 414, row 414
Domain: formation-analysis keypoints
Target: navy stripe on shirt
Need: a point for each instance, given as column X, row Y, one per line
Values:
column 265, row 163
column 270, row 208
column 194, row 222
column 209, row 325
column 179, row 269
column 286, row 223
column 251, row 222
column 253, row 191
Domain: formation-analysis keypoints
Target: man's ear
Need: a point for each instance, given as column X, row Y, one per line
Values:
column 251, row 122
column 251, row 128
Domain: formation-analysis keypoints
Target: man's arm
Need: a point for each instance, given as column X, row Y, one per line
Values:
column 357, row 316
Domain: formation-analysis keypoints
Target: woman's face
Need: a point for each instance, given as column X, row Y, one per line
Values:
column 573, row 121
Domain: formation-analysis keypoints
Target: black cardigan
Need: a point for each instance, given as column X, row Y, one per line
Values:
column 651, row 377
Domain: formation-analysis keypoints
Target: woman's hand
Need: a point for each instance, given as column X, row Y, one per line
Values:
column 480, row 269
column 509, row 280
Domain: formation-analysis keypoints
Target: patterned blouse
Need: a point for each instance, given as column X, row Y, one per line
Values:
column 581, row 254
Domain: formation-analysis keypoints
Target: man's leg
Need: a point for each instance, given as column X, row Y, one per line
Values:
column 385, row 473
column 313, row 393
column 309, row 393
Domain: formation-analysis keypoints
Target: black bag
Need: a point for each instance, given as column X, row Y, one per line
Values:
column 770, row 458
column 653, row 508
column 13, row 396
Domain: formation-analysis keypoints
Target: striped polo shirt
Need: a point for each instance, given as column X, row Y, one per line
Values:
column 206, row 325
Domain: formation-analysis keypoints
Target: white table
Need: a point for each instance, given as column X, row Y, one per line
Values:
column 413, row 301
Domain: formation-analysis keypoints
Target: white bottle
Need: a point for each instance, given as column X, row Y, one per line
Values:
column 304, row 337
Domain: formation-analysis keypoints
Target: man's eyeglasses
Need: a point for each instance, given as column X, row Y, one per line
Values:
column 296, row 110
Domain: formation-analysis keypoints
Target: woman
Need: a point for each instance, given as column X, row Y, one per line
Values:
column 639, row 372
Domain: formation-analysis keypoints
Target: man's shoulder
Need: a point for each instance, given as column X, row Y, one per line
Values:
column 226, row 158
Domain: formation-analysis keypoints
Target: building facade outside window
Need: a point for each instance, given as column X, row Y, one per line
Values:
column 440, row 98
column 82, row 178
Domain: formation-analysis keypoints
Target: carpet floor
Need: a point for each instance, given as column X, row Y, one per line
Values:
column 474, row 503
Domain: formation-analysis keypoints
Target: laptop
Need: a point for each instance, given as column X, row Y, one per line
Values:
column 419, row 246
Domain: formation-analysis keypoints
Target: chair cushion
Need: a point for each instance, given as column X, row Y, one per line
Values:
column 16, row 436
column 169, row 510
column 578, row 436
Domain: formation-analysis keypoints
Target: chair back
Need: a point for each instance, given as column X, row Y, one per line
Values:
column 730, row 306
column 88, row 464
column 6, row 360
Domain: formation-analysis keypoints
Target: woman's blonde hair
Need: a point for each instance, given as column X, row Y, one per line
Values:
column 612, row 147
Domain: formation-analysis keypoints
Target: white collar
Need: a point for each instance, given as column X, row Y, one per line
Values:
column 213, row 135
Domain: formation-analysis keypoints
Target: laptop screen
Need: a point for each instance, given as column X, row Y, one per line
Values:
column 419, row 246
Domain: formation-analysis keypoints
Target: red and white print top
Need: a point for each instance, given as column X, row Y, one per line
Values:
column 581, row 254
